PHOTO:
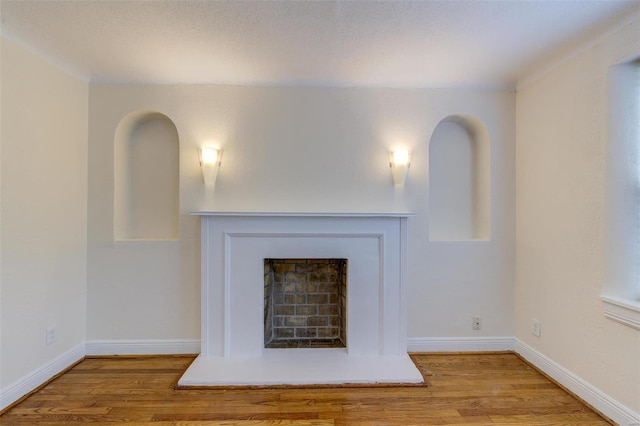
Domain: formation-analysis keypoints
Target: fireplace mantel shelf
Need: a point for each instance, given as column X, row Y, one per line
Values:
column 303, row 214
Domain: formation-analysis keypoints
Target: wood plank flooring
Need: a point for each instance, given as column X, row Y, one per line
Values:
column 463, row 389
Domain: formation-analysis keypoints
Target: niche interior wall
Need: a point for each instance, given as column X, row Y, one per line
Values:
column 459, row 180
column 146, row 178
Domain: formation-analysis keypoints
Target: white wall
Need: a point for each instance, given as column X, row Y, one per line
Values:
column 43, row 210
column 562, row 233
column 297, row 149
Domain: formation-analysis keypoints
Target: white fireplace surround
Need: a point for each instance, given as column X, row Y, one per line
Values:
column 234, row 246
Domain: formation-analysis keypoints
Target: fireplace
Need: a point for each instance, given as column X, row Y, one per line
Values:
column 305, row 303
column 235, row 247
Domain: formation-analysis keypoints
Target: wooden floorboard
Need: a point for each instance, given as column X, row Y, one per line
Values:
column 463, row 389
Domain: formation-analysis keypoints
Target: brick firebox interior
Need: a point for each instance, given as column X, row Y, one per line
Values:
column 305, row 303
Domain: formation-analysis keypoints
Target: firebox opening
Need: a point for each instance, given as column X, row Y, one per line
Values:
column 305, row 303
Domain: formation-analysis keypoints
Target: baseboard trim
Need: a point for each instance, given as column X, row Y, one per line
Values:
column 593, row 396
column 459, row 344
column 25, row 385
column 143, row 347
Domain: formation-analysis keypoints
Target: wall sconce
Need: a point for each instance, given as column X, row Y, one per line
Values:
column 210, row 160
column 399, row 161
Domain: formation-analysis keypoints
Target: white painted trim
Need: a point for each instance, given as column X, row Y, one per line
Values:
column 624, row 311
column 403, row 280
column 303, row 214
column 206, row 272
column 459, row 344
column 143, row 347
column 31, row 381
column 226, row 295
column 381, row 292
column 602, row 402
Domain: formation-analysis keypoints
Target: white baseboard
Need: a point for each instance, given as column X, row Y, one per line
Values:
column 143, row 347
column 596, row 398
column 31, row 381
column 459, row 344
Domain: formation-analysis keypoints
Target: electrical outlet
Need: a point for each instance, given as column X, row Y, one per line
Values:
column 476, row 323
column 536, row 328
column 52, row 334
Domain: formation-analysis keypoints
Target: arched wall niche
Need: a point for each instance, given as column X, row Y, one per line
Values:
column 460, row 180
column 146, row 177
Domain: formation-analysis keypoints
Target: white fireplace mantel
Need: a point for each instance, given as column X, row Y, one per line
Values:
column 234, row 245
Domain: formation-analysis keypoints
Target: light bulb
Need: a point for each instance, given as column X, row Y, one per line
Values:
column 209, row 156
column 400, row 158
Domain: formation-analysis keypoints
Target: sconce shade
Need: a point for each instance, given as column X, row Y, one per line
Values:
column 210, row 162
column 400, row 161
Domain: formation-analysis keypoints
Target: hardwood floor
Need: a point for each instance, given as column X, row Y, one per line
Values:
column 463, row 389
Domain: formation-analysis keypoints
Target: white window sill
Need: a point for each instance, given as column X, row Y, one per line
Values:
column 624, row 311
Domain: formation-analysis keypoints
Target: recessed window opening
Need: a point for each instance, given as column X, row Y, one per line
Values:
column 621, row 294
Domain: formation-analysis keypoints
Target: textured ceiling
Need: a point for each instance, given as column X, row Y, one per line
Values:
column 483, row 44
